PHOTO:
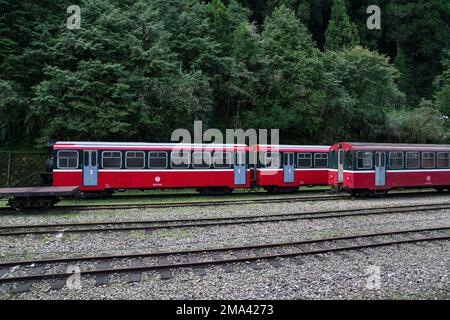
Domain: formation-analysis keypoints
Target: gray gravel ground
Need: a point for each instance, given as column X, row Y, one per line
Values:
column 407, row 271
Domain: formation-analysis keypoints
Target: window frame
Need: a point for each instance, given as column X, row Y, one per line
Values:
column 437, row 159
column 310, row 159
column 103, row 158
column 434, row 159
column 188, row 165
column 126, row 159
column 358, row 158
column 320, row 153
column 403, row 160
column 406, row 160
column 229, row 165
column 58, row 158
column 278, row 158
column 203, row 164
column 238, row 157
column 156, row 168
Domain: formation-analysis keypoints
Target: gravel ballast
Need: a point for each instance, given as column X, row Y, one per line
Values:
column 406, row 271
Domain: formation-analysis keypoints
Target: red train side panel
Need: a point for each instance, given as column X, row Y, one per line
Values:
column 266, row 177
column 380, row 174
column 146, row 177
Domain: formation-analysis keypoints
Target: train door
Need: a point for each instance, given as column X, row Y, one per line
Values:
column 90, row 168
column 340, row 173
column 288, row 167
column 240, row 168
column 380, row 169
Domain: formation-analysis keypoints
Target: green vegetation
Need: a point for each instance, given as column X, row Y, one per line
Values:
column 138, row 69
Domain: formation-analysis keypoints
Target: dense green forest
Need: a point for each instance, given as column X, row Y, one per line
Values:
column 136, row 70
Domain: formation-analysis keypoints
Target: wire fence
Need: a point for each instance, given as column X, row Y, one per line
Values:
column 21, row 169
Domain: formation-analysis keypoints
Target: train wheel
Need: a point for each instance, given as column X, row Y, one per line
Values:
column 215, row 191
column 34, row 203
column 271, row 189
column 16, row 204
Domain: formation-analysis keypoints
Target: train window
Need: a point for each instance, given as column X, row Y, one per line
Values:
column 443, row 159
column 321, row 160
column 240, row 158
column 112, row 159
column 364, row 160
column 94, row 158
column 412, row 160
column 395, row 160
column 135, row 159
column 428, row 159
column 180, row 159
column 67, row 159
column 271, row 159
column 86, row 158
column 222, row 160
column 201, row 159
column 304, row 160
column 157, row 159
column 288, row 159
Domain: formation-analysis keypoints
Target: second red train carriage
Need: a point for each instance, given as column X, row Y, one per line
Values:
column 284, row 168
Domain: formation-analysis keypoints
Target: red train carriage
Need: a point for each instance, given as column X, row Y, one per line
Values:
column 284, row 168
column 107, row 166
column 377, row 167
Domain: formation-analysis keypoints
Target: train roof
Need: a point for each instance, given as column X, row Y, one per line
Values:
column 90, row 145
column 370, row 146
column 297, row 148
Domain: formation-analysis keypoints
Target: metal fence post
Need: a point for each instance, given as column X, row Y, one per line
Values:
column 8, row 172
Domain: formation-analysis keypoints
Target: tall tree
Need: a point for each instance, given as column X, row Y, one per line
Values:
column 442, row 84
column 421, row 33
column 116, row 79
column 371, row 81
column 289, row 89
column 341, row 32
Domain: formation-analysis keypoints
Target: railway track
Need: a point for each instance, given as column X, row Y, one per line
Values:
column 220, row 203
column 24, row 272
column 192, row 203
column 152, row 225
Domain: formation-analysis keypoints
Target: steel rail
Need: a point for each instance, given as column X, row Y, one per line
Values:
column 206, row 222
column 191, row 203
column 218, row 261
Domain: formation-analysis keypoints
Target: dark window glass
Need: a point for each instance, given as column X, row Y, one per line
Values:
column 240, row 158
column 271, row 159
column 443, row 160
column 364, row 160
column 304, row 160
column 201, row 159
column 157, row 159
column 67, row 159
column 135, row 159
column 412, row 160
column 94, row 158
column 86, row 158
column 321, row 160
column 286, row 158
column 395, row 160
column 180, row 159
column 428, row 159
column 222, row 160
column 112, row 159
